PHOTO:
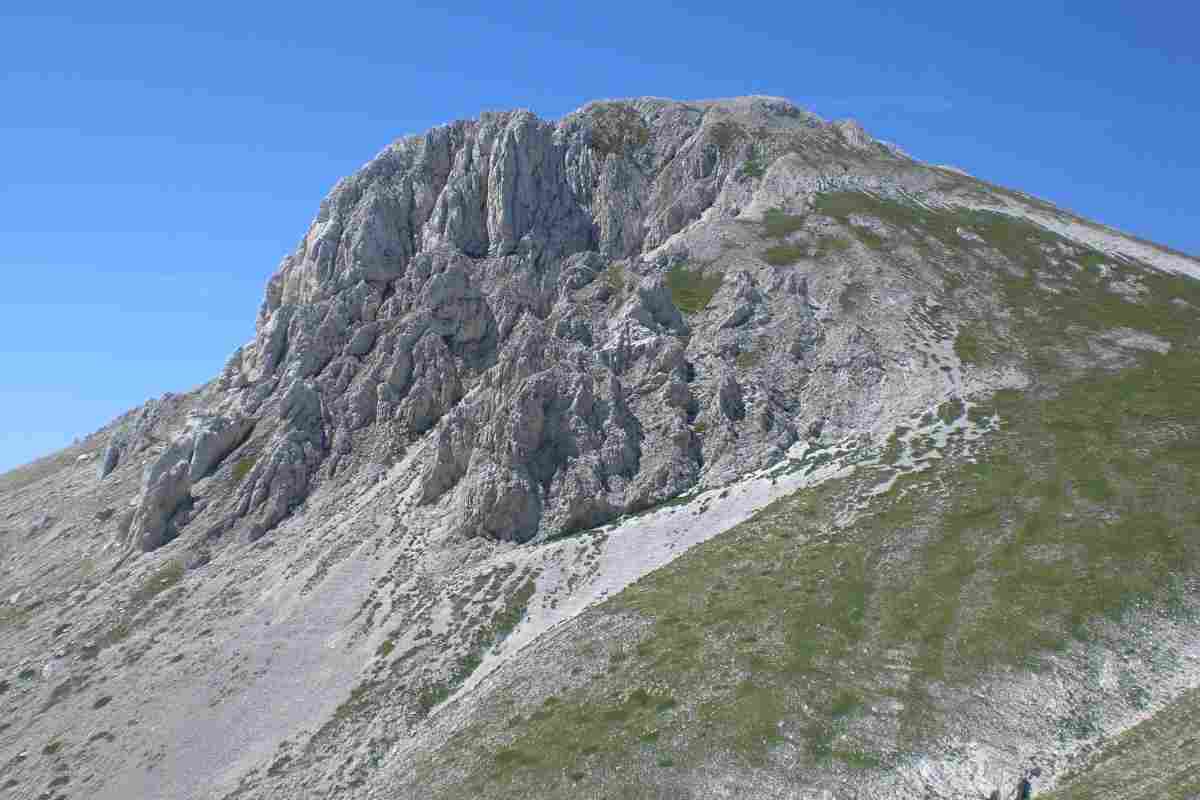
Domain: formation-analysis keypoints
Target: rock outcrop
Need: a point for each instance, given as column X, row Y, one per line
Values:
column 499, row 291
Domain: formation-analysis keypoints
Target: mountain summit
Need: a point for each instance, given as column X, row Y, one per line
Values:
column 670, row 449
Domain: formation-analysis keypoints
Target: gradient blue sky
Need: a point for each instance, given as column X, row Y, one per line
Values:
column 158, row 159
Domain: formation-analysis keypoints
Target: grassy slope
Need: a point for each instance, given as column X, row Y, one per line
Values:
column 1156, row 760
column 788, row 643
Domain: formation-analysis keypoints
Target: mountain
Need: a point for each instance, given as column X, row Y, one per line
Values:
column 669, row 449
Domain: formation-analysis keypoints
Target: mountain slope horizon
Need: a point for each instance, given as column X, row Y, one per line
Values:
column 666, row 449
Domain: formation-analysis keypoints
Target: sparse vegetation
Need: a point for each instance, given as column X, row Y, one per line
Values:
column 1085, row 505
column 167, row 575
column 242, row 468
column 951, row 410
column 617, row 128
column 1155, row 759
column 828, row 245
column 754, row 166
column 502, row 624
column 747, row 359
column 692, row 290
column 782, row 255
column 614, row 278
column 966, row 347
column 726, row 135
column 869, row 237
column 779, row 225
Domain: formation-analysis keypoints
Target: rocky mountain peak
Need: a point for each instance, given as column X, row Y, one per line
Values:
column 513, row 270
column 849, row 442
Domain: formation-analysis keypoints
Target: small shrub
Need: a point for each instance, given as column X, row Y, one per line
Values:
column 53, row 747
column 617, row 128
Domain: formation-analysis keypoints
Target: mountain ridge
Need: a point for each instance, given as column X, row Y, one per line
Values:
column 519, row 372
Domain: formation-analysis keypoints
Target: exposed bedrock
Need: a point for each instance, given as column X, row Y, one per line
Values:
column 496, row 291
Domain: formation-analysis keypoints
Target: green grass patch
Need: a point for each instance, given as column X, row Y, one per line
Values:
column 951, row 410
column 755, row 166
column 614, row 278
column 779, row 225
column 967, row 347
column 830, row 244
column 573, row 735
column 692, row 290
column 168, row 574
column 782, row 255
column 747, row 359
column 242, row 468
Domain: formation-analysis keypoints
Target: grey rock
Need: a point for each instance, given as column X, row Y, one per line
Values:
column 41, row 524
column 730, row 395
column 167, row 479
column 112, row 455
column 164, row 492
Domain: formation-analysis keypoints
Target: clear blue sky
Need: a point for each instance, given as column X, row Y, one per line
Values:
column 158, row 159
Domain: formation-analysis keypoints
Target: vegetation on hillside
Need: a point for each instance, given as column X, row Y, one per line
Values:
column 796, row 641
